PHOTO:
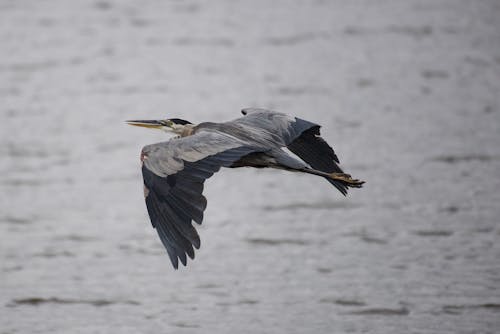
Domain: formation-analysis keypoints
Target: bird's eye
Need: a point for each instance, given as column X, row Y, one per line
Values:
column 166, row 122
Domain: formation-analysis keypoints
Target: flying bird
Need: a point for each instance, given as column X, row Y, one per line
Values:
column 174, row 171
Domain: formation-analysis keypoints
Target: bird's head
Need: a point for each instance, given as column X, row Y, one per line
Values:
column 172, row 125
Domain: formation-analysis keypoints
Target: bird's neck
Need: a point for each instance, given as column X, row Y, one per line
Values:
column 187, row 130
column 181, row 130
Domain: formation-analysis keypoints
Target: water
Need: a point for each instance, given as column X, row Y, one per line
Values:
column 407, row 93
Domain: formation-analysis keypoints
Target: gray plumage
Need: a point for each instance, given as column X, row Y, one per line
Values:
column 174, row 171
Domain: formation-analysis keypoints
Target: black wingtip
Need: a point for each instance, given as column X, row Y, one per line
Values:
column 175, row 261
column 190, row 252
column 340, row 186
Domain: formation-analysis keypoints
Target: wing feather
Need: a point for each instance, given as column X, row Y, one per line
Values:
column 271, row 127
column 316, row 152
column 301, row 137
column 184, row 226
column 173, row 174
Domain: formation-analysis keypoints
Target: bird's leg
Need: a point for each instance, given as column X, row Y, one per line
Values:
column 341, row 177
column 355, row 183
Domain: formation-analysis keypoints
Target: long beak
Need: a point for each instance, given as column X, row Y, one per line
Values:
column 152, row 124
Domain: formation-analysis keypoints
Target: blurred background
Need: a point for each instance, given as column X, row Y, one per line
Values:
column 407, row 93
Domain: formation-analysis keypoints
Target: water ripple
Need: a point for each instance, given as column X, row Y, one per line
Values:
column 311, row 206
column 452, row 159
column 276, row 242
column 296, row 39
column 343, row 302
column 382, row 311
column 36, row 301
column 458, row 309
column 433, row 233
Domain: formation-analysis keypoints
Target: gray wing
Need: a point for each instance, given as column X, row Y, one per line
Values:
column 300, row 136
column 270, row 127
column 174, row 173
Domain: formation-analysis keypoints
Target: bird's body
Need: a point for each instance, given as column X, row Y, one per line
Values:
column 174, row 171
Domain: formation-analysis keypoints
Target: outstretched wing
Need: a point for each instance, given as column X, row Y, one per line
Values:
column 315, row 151
column 300, row 136
column 270, row 127
column 174, row 173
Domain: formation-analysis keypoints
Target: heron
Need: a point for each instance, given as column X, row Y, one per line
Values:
column 174, row 171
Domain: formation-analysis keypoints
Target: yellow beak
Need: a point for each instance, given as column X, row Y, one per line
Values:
column 153, row 124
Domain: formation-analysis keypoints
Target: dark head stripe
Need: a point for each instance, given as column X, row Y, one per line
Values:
column 180, row 121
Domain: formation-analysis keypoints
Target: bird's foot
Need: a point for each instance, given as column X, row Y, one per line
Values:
column 346, row 178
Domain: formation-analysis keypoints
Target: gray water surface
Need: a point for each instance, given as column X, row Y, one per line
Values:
column 407, row 93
